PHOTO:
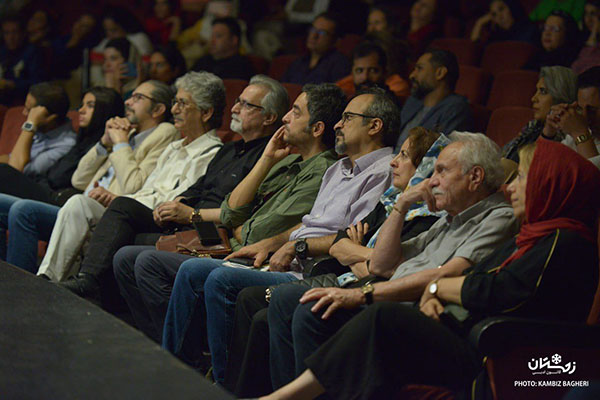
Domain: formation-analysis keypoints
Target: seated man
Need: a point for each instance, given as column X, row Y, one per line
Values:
column 465, row 184
column 46, row 135
column 118, row 164
column 224, row 58
column 273, row 196
column 350, row 189
column 433, row 103
column 255, row 116
column 369, row 68
column 198, row 110
column 323, row 63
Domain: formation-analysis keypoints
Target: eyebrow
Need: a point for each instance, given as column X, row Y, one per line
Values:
column 295, row 107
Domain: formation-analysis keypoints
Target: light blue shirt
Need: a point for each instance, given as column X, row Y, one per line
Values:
column 48, row 147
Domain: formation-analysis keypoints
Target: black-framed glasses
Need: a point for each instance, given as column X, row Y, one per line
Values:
column 138, row 96
column 348, row 115
column 246, row 105
column 181, row 103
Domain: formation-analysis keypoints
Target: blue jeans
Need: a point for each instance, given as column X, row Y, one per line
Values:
column 28, row 221
column 6, row 202
column 204, row 280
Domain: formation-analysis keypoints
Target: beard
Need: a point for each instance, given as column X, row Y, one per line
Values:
column 420, row 90
column 340, row 144
column 235, row 125
column 131, row 117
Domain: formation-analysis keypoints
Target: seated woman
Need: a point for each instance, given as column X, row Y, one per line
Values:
column 556, row 85
column 166, row 65
column 506, row 20
column 389, row 345
column 559, row 41
column 354, row 246
column 589, row 56
column 31, row 220
column 120, row 66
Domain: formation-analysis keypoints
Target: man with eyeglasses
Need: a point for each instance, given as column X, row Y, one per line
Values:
column 197, row 113
column 323, row 63
column 349, row 190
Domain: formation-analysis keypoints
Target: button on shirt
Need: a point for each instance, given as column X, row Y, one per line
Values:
column 133, row 142
column 48, row 147
column 347, row 194
column 473, row 234
column 178, row 168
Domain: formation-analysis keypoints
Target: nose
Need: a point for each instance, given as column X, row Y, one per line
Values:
column 81, row 110
column 511, row 187
column 174, row 109
column 338, row 125
column 534, row 98
column 235, row 109
column 361, row 78
column 286, row 118
column 394, row 162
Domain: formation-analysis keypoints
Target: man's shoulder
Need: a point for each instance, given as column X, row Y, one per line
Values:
column 166, row 129
column 454, row 100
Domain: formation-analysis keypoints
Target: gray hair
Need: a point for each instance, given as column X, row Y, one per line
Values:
column 561, row 83
column 479, row 150
column 162, row 94
column 207, row 91
column 384, row 108
column 276, row 101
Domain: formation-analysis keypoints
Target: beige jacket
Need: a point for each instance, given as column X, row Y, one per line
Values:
column 132, row 167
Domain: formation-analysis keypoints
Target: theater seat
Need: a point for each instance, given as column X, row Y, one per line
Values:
column 506, row 123
column 11, row 128
column 280, row 64
column 472, row 83
column 259, row 63
column 506, row 55
column 74, row 117
column 293, row 90
column 481, row 116
column 466, row 51
column 346, row 44
column 512, row 88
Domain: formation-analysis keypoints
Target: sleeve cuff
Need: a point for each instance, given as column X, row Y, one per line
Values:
column 101, row 150
column 120, row 146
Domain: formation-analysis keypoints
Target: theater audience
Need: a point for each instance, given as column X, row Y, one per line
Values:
column 389, row 345
column 224, row 58
column 555, row 85
column 433, row 103
column 21, row 64
column 166, row 65
column 120, row 163
column 118, row 23
column 34, row 200
column 506, row 20
column 323, row 63
column 425, row 25
column 589, row 56
column 120, row 66
column 560, row 42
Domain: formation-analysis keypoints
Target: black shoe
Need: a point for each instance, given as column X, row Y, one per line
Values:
column 83, row 285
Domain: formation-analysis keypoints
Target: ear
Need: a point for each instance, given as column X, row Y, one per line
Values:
column 440, row 73
column 51, row 119
column 206, row 115
column 318, row 129
column 476, row 177
column 376, row 126
column 159, row 109
column 270, row 120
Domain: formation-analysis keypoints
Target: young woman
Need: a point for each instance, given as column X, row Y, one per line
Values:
column 506, row 20
column 120, row 66
column 45, row 194
column 535, row 275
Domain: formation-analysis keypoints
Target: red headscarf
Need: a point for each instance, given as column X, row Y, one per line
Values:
column 563, row 192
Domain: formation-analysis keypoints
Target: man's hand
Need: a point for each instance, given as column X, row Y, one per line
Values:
column 118, row 129
column 38, row 115
column 101, row 195
column 356, row 233
column 259, row 251
column 277, row 149
column 334, row 298
column 281, row 260
column 420, row 192
column 172, row 211
column 432, row 308
column 573, row 120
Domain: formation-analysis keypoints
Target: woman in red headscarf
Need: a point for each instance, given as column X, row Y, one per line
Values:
column 549, row 271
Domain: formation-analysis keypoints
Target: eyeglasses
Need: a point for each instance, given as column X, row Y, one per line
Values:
column 348, row 116
column 181, row 103
column 138, row 96
column 246, row 105
column 552, row 28
column 319, row 32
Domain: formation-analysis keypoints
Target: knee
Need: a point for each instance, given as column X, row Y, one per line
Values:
column 22, row 211
column 74, row 207
column 122, row 264
column 120, row 204
column 147, row 263
column 192, row 273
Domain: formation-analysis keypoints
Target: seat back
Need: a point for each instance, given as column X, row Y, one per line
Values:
column 293, row 90
column 259, row 63
column 481, row 116
column 11, row 128
column 466, row 51
column 472, row 83
column 280, row 64
column 506, row 55
column 73, row 115
column 347, row 43
column 506, row 123
column 512, row 88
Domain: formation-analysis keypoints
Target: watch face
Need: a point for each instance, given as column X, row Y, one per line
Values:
column 27, row 126
column 300, row 247
column 433, row 288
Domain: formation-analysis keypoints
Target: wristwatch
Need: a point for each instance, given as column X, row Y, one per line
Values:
column 196, row 217
column 584, row 138
column 433, row 288
column 301, row 249
column 28, row 126
column 367, row 289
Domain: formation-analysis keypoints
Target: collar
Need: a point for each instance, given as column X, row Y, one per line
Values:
column 364, row 162
column 490, row 202
column 199, row 145
column 54, row 133
column 136, row 139
column 241, row 146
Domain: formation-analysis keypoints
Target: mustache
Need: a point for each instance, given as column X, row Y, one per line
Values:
column 338, row 132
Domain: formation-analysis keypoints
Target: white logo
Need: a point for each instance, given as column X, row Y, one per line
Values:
column 550, row 366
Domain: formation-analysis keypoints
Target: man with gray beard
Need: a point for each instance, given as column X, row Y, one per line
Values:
column 433, row 103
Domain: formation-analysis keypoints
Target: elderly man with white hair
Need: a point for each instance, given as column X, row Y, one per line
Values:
column 197, row 112
column 465, row 184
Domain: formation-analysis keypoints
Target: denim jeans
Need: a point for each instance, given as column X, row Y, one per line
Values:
column 28, row 221
column 6, row 202
column 206, row 280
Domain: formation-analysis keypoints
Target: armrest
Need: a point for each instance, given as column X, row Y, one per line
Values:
column 498, row 335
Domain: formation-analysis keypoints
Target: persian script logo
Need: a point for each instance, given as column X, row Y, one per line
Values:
column 546, row 366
